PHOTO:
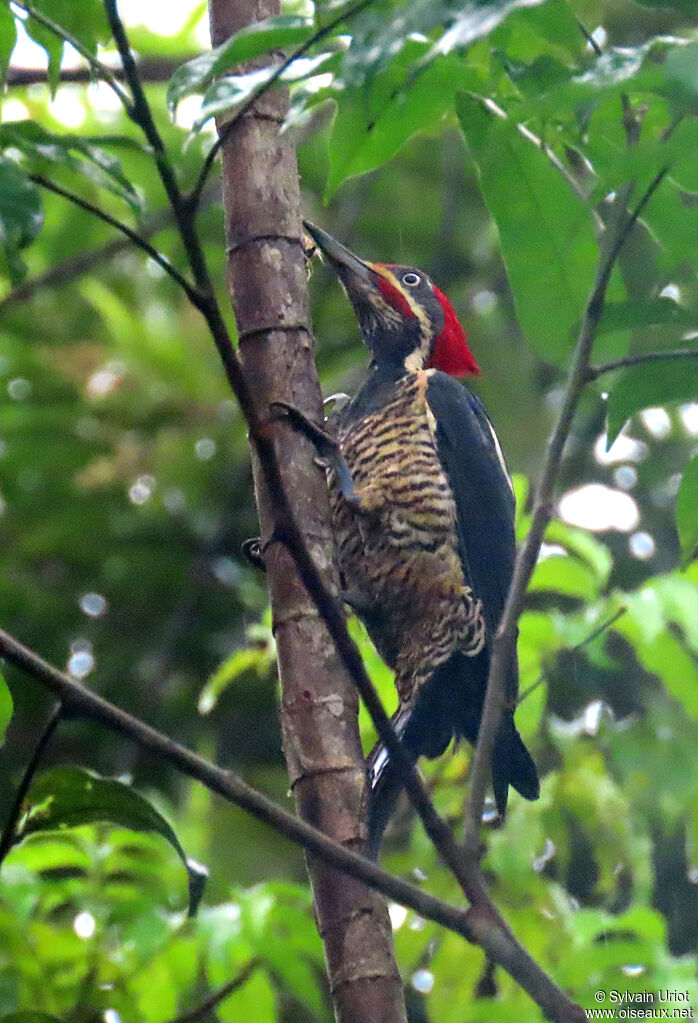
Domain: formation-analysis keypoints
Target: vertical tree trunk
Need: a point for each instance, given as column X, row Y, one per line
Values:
column 267, row 283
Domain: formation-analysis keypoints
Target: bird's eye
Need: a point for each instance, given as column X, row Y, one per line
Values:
column 411, row 280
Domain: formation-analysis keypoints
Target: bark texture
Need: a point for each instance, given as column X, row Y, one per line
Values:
column 267, row 284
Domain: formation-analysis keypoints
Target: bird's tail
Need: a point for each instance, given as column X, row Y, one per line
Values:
column 449, row 704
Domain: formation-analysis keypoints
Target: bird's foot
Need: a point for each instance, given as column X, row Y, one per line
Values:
column 326, row 446
column 253, row 552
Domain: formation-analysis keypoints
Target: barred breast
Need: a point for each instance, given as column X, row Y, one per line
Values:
column 397, row 551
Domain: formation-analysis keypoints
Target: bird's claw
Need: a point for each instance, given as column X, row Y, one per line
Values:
column 253, row 552
column 327, row 448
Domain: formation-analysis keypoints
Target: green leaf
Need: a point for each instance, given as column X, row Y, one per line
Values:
column 40, row 146
column 665, row 382
column 85, row 21
column 687, row 511
column 375, row 120
column 236, row 89
column 661, row 653
column 251, row 41
column 254, row 1000
column 546, row 235
column 6, row 708
column 584, row 546
column 8, row 38
column 681, row 71
column 559, row 574
column 70, row 796
column 21, row 215
column 52, row 44
column 650, row 312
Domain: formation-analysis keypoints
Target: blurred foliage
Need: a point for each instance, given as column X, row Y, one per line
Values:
column 125, row 494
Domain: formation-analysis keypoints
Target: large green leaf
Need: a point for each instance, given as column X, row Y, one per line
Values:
column 546, row 235
column 651, row 312
column 85, row 20
column 374, row 120
column 6, row 708
column 21, row 215
column 69, row 796
column 251, row 41
column 665, row 382
column 687, row 510
column 381, row 31
column 682, row 76
column 79, row 154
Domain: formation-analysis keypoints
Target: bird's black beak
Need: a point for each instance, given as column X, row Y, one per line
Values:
column 350, row 268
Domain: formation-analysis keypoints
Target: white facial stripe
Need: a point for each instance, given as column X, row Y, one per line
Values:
column 415, row 361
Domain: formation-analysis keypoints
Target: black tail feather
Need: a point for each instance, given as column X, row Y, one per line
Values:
column 450, row 704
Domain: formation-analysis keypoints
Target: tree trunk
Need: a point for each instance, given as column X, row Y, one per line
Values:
column 267, row 283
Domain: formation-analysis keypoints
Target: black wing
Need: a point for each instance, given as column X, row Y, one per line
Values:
column 470, row 454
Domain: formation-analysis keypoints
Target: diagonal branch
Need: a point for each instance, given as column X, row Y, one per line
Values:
column 77, row 699
column 85, row 262
column 504, row 644
column 594, row 634
column 474, row 924
column 132, row 236
column 206, row 1008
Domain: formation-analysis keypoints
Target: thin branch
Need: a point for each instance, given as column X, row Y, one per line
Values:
column 148, row 71
column 9, row 833
column 100, row 69
column 475, row 924
column 84, row 262
column 504, row 644
column 201, row 1012
column 598, row 631
column 142, row 115
column 594, row 372
column 77, row 699
column 157, row 257
column 589, row 38
column 227, row 129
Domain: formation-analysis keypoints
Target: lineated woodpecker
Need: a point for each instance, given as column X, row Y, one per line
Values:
column 423, row 516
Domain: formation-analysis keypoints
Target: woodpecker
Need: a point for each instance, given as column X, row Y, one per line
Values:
column 423, row 518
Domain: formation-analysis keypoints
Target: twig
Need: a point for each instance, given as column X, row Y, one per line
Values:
column 505, row 641
column 598, row 631
column 77, row 699
column 594, row 372
column 148, row 70
column 141, row 115
column 300, row 51
column 100, row 69
column 216, row 997
column 84, row 262
column 475, row 924
column 133, row 236
column 589, row 38
column 9, row 833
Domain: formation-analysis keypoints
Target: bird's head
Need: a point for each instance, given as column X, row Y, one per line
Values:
column 404, row 319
